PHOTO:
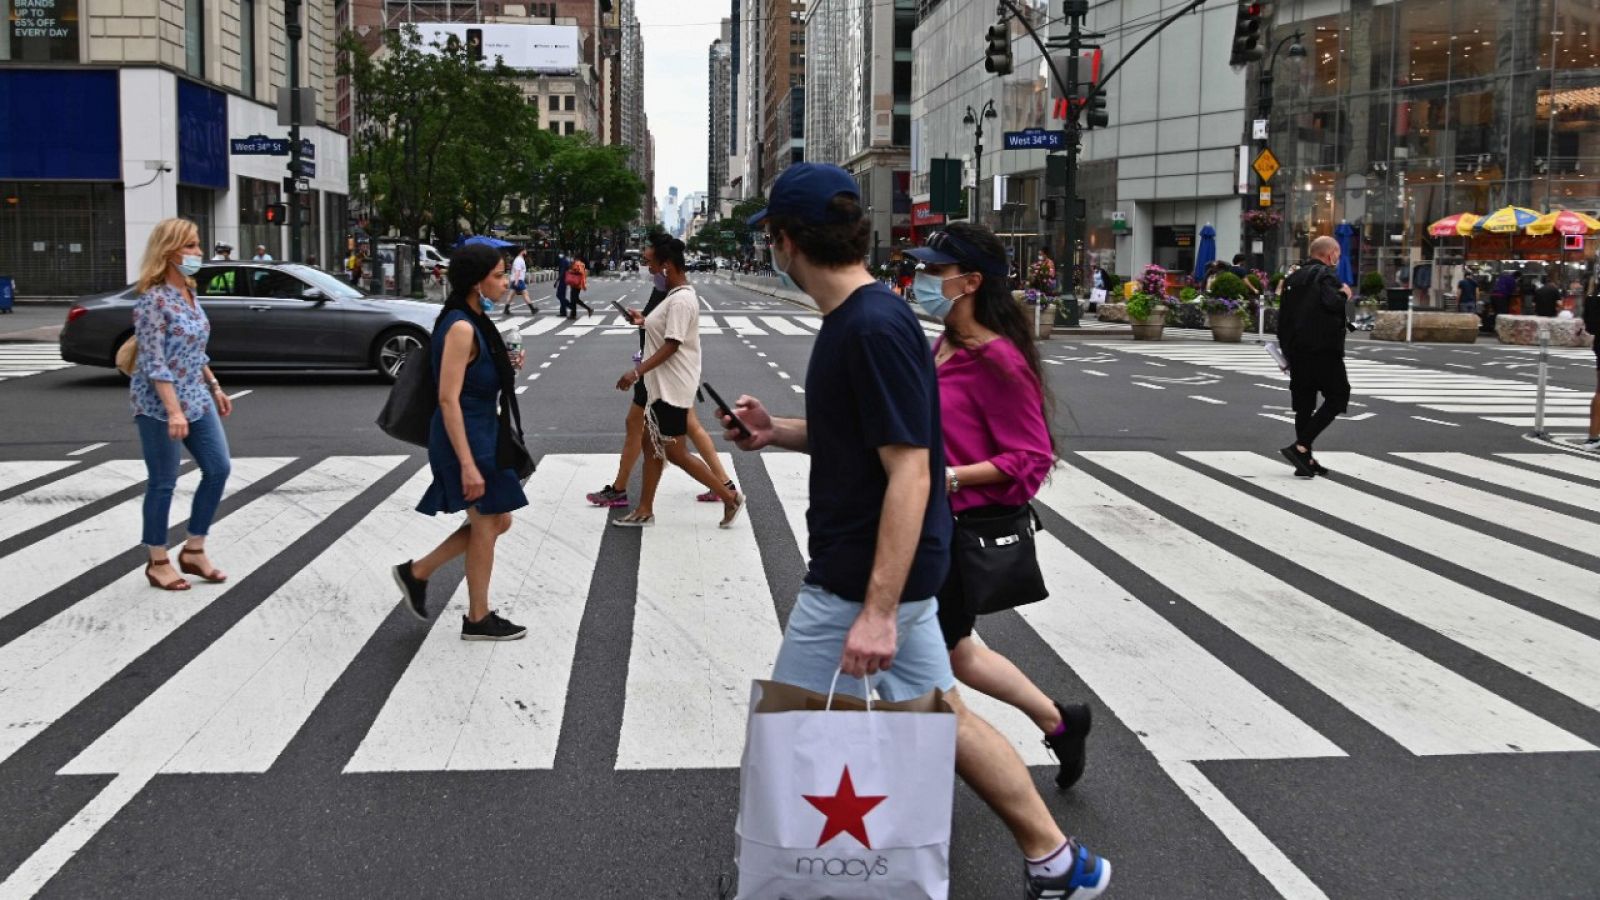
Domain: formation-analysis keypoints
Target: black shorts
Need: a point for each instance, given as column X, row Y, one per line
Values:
column 671, row 421
column 640, row 398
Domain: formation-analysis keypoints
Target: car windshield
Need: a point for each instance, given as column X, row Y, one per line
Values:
column 329, row 285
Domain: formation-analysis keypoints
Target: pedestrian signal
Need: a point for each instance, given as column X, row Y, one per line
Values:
column 275, row 214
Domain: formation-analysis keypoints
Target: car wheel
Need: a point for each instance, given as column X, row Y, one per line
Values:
column 391, row 349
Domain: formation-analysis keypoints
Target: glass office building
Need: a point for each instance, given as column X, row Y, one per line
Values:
column 1404, row 112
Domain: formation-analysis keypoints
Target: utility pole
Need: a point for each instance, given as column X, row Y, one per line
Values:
column 1072, row 217
column 291, row 11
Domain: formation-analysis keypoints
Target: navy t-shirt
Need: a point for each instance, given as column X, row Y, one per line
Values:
column 871, row 383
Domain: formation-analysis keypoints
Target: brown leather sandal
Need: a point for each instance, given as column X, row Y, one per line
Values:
column 177, row 584
column 213, row 576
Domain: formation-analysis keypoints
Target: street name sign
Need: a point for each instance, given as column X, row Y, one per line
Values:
column 1035, row 139
column 259, row 145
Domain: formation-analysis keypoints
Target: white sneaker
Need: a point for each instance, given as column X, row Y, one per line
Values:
column 1591, row 444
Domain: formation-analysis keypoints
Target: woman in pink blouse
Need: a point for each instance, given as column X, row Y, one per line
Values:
column 993, row 404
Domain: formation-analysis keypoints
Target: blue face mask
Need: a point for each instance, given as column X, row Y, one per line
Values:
column 783, row 276
column 929, row 291
column 190, row 265
column 486, row 303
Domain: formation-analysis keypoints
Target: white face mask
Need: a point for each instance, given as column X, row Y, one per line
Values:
column 190, row 265
column 782, row 270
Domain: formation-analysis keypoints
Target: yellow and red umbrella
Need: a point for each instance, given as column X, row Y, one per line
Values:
column 1458, row 225
column 1507, row 220
column 1565, row 221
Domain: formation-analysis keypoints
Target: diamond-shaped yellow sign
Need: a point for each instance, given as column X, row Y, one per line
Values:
column 1266, row 165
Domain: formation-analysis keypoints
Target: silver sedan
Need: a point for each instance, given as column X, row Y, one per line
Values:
column 268, row 316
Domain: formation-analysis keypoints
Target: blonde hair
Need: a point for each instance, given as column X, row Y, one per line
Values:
column 167, row 236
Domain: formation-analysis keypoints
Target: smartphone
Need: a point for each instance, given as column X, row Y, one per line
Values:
column 744, row 433
column 622, row 309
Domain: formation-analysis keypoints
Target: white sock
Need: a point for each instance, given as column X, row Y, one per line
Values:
column 1059, row 862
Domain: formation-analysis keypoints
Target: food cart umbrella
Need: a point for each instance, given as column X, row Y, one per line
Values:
column 1458, row 225
column 1507, row 220
column 1565, row 221
column 1207, row 254
column 1346, row 234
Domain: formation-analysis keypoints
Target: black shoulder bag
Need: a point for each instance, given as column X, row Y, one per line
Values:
column 408, row 413
column 993, row 551
column 511, row 452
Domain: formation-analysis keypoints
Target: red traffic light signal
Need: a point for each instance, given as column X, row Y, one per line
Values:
column 275, row 214
column 1247, row 33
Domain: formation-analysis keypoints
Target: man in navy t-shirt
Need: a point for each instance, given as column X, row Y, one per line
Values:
column 879, row 520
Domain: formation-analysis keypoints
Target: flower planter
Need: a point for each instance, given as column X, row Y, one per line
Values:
column 1226, row 327
column 1150, row 329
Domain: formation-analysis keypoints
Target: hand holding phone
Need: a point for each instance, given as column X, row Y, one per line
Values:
column 725, row 409
column 628, row 314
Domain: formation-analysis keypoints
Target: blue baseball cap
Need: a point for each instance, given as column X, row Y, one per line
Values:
column 804, row 191
column 944, row 248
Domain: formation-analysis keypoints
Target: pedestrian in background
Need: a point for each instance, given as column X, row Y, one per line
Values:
column 475, row 374
column 176, row 399
column 879, row 520
column 577, row 282
column 519, row 284
column 1467, row 294
column 1311, row 330
column 670, row 372
column 1501, row 293
column 1547, row 299
column 222, row 252
column 998, row 450
column 1591, row 324
column 563, row 265
column 615, row 493
column 261, row 254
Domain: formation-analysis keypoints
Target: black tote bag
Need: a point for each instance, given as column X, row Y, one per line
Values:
column 408, row 413
column 993, row 552
column 511, row 450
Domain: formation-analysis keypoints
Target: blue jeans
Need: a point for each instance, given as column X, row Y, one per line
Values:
column 209, row 447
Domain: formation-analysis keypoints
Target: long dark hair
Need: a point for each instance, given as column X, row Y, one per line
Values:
column 994, row 309
column 470, row 264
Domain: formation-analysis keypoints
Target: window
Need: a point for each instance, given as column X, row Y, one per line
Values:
column 568, row 128
column 194, row 37
column 247, row 47
column 555, row 127
column 219, row 282
column 555, row 103
column 572, row 103
column 275, row 283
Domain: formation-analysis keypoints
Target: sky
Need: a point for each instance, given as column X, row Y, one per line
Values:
column 677, row 39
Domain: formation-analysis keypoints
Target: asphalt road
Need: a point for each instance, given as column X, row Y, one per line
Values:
column 1380, row 684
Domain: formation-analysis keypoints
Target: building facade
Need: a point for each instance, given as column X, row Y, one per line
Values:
column 719, row 119
column 158, row 92
column 781, row 86
column 858, row 104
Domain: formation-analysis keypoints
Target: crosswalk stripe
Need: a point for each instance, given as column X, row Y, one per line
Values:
column 703, row 628
column 59, row 497
column 465, row 705
column 542, row 325
column 1542, row 576
column 1513, row 477
column 1549, row 421
column 1514, row 515
column 237, row 704
column 1558, row 657
column 782, row 325
column 743, row 326
column 54, row 666
column 20, row 471
column 1182, row 702
column 708, row 325
column 1557, row 462
column 1423, row 706
column 30, row 573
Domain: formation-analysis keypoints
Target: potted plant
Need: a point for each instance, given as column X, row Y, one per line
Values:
column 1187, row 312
column 1041, row 311
column 1222, row 304
column 1261, row 221
column 1147, row 316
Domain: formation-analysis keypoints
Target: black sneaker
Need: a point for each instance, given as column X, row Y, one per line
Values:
column 1068, row 746
column 413, row 589
column 1300, row 461
column 491, row 628
column 1318, row 467
column 1087, row 878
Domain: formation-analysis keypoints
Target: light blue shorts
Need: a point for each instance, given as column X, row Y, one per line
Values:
column 814, row 643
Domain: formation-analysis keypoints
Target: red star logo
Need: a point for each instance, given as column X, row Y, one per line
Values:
column 846, row 812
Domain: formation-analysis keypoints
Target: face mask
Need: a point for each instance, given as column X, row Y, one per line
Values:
column 929, row 291
column 660, row 280
column 782, row 272
column 486, row 303
column 190, row 265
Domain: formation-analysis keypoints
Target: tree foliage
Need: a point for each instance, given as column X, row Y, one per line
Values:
column 447, row 145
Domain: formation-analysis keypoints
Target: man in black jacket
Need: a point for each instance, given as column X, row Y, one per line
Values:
column 1547, row 299
column 1311, row 330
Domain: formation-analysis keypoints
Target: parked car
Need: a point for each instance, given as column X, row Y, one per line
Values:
column 268, row 316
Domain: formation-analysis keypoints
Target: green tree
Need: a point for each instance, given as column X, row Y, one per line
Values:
column 585, row 190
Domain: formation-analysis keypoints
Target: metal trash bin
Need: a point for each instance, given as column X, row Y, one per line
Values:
column 1399, row 298
column 8, row 293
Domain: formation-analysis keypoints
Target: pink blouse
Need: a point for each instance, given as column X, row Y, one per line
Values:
column 992, row 411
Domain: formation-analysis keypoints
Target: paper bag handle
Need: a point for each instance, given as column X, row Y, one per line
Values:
column 866, row 684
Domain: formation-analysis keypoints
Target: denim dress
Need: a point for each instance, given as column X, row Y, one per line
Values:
column 480, row 402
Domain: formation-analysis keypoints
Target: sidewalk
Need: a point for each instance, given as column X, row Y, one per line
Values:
column 34, row 321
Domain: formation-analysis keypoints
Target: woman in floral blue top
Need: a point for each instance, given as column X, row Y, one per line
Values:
column 176, row 399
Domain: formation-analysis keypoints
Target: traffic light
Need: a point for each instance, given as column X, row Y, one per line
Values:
column 275, row 214
column 1248, row 25
column 997, row 58
column 1095, row 113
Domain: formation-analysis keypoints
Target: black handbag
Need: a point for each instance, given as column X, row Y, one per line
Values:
column 993, row 553
column 511, row 452
column 408, row 413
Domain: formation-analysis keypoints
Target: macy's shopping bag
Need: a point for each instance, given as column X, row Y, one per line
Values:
column 845, row 802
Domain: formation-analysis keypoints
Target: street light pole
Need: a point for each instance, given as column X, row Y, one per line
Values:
column 1297, row 50
column 975, row 120
column 291, row 11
